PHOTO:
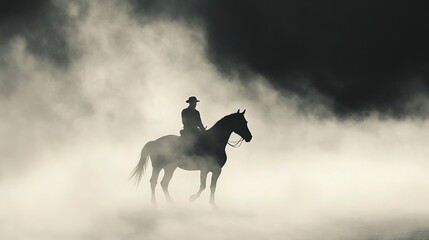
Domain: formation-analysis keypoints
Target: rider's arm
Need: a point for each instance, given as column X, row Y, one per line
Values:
column 200, row 123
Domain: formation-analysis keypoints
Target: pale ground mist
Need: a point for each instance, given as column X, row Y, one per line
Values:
column 70, row 138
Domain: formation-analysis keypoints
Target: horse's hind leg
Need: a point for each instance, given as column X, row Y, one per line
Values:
column 168, row 174
column 153, row 181
column 203, row 179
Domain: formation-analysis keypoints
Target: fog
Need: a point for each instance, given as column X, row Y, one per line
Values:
column 71, row 136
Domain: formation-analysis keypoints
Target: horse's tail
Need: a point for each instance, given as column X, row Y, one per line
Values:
column 138, row 171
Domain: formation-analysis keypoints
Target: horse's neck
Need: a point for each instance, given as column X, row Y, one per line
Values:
column 220, row 134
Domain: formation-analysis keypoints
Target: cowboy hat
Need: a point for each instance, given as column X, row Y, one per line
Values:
column 192, row 99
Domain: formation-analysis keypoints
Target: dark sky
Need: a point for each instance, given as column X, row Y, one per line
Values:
column 362, row 56
column 42, row 24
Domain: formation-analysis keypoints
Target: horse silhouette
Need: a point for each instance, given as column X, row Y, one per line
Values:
column 206, row 153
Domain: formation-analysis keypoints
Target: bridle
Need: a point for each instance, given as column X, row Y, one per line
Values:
column 236, row 144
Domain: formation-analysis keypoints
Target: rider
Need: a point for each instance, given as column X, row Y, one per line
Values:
column 191, row 119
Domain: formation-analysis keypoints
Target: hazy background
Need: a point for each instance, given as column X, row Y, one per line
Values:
column 84, row 89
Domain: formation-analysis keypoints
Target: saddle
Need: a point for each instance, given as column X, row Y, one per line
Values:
column 189, row 141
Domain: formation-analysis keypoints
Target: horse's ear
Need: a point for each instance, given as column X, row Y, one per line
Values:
column 238, row 111
column 244, row 111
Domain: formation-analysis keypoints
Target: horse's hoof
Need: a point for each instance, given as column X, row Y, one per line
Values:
column 214, row 206
column 193, row 198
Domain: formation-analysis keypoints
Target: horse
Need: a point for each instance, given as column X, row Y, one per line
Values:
column 206, row 154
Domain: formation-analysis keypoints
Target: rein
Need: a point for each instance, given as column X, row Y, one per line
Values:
column 235, row 144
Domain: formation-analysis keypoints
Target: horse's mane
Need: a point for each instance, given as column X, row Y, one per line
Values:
column 223, row 121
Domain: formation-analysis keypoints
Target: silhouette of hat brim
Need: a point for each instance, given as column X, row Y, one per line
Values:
column 192, row 99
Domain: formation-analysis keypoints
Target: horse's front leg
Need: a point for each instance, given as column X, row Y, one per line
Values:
column 215, row 176
column 203, row 179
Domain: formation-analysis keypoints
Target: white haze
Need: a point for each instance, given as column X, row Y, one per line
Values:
column 70, row 138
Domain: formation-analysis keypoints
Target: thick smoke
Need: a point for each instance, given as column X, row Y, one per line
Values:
column 43, row 24
column 71, row 135
column 362, row 56
column 357, row 57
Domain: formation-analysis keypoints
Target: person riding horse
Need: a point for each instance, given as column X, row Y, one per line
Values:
column 191, row 119
column 166, row 154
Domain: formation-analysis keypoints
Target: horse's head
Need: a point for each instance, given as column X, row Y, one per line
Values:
column 239, row 125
